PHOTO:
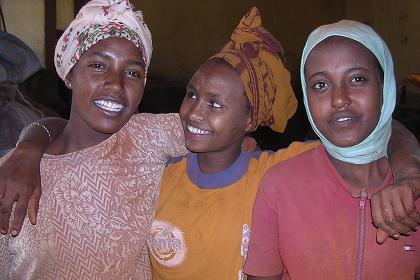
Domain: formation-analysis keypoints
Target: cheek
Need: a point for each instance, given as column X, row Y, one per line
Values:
column 135, row 93
column 234, row 124
column 316, row 108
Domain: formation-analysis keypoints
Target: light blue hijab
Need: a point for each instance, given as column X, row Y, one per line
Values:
column 375, row 145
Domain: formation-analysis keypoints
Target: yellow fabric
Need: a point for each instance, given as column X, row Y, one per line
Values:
column 254, row 53
column 203, row 234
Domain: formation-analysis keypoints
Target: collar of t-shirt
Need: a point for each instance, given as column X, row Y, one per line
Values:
column 328, row 170
column 219, row 179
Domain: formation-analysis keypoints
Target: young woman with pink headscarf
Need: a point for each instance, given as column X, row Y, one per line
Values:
column 100, row 177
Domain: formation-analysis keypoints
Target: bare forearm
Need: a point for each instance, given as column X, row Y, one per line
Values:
column 39, row 135
column 404, row 154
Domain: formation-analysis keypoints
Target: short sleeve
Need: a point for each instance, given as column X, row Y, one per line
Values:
column 263, row 255
column 158, row 134
column 174, row 133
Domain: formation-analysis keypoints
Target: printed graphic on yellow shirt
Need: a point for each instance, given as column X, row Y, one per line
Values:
column 167, row 243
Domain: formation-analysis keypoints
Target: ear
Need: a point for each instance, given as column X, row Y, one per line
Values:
column 67, row 80
column 248, row 127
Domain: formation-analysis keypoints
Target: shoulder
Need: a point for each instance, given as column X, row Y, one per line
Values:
column 153, row 120
column 296, row 148
column 151, row 125
column 299, row 168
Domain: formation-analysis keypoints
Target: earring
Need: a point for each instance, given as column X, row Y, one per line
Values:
column 68, row 84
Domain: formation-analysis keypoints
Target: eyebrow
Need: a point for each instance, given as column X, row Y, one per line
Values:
column 347, row 70
column 130, row 61
column 212, row 95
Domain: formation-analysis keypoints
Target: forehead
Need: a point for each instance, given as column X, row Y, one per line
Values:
column 343, row 48
column 214, row 74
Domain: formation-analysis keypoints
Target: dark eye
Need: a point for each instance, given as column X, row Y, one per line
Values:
column 320, row 85
column 358, row 79
column 97, row 66
column 215, row 105
column 133, row 74
column 191, row 95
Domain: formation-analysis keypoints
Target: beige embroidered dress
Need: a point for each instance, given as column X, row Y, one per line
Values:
column 97, row 206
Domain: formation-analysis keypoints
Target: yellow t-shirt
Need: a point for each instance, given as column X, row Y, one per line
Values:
column 202, row 223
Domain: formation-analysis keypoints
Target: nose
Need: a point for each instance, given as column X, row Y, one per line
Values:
column 340, row 97
column 196, row 113
column 114, row 82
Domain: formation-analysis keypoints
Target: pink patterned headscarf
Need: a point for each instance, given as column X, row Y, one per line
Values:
column 96, row 21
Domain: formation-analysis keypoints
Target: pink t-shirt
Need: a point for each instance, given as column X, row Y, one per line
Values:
column 97, row 207
column 310, row 224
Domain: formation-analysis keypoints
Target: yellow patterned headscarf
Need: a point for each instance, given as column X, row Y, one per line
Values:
column 96, row 21
column 254, row 53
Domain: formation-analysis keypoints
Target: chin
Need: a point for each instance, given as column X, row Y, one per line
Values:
column 108, row 128
column 195, row 148
column 345, row 143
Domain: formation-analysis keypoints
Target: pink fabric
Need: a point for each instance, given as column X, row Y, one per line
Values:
column 306, row 221
column 96, row 21
column 97, row 207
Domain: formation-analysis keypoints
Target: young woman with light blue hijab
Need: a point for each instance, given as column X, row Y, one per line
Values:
column 312, row 213
column 375, row 145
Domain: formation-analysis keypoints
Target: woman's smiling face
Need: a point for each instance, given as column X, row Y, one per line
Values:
column 344, row 90
column 108, row 84
column 215, row 111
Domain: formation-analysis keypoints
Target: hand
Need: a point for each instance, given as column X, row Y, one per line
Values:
column 394, row 211
column 19, row 182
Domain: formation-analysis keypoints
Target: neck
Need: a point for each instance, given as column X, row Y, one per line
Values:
column 74, row 139
column 212, row 162
column 362, row 176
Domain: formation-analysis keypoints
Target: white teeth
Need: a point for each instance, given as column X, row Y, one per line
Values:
column 343, row 119
column 195, row 130
column 109, row 105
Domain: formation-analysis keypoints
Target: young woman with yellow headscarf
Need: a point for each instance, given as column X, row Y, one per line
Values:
column 203, row 216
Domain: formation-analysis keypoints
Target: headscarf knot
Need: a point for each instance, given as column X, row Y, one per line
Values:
column 257, row 57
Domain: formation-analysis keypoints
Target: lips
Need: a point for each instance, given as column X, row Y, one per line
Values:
column 109, row 106
column 344, row 118
column 197, row 131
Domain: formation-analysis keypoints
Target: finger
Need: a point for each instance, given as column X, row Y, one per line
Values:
column 381, row 236
column 5, row 210
column 413, row 213
column 19, row 215
column 33, row 205
column 379, row 220
column 403, row 220
column 390, row 225
column 392, row 221
column 416, row 216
